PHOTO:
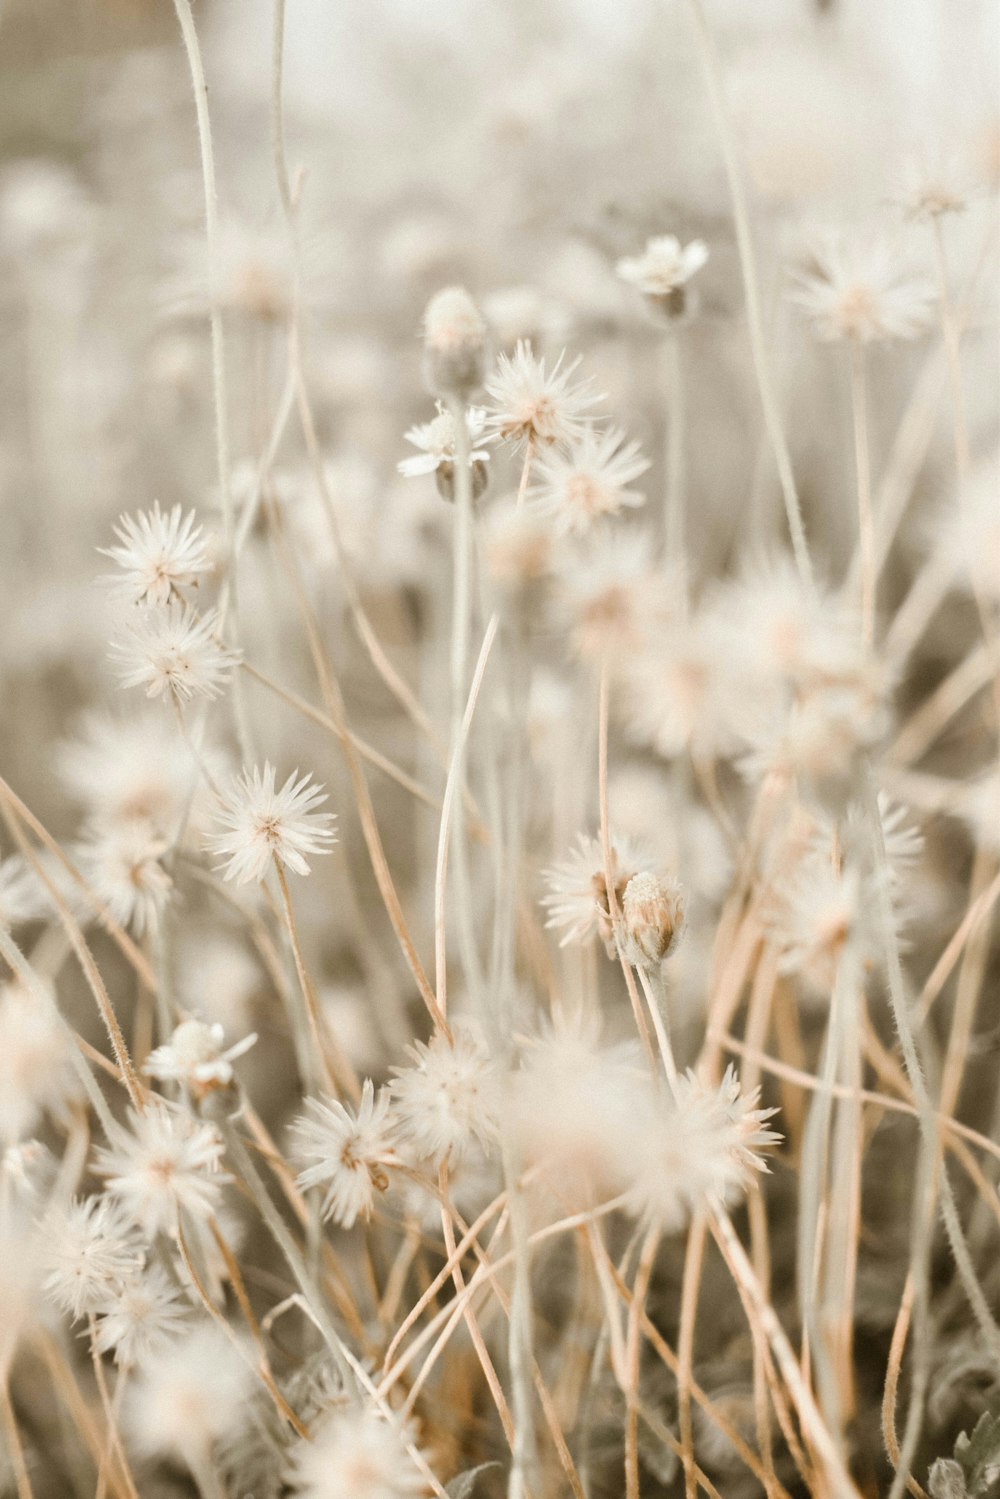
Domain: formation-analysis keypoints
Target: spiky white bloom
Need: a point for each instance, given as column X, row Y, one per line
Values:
column 652, row 919
column 454, row 342
column 167, row 1163
column 192, row 1394
column 135, row 767
column 37, row 1076
column 449, row 1098
column 572, row 1107
column 196, row 1055
column 262, row 823
column 589, row 481
column 609, row 594
column 355, row 1451
column 664, row 265
column 349, row 1151
column 158, row 554
column 176, row 651
column 123, row 865
column 90, row 1252
column 577, row 898
column 531, row 404
column 436, row 441
column 700, row 1146
column 855, row 288
column 142, row 1318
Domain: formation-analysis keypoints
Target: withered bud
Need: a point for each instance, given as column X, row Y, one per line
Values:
column 444, row 476
column 454, row 344
column 652, row 918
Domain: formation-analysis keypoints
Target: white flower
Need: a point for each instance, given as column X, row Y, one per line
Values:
column 530, row 404
column 817, row 911
column 135, row 768
column 167, row 1163
column 159, row 554
column 90, row 1252
column 664, row 266
column 262, row 823
column 590, row 481
column 37, row 1076
column 195, row 1056
column 683, row 691
column 855, row 288
column 141, row 1319
column 609, row 594
column 577, row 899
column 449, row 1098
column 174, row 650
column 349, row 1152
column 194, row 1392
column 123, row 865
column 702, row 1145
column 356, row 1453
column 436, row 441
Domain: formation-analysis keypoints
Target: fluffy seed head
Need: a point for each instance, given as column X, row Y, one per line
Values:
column 261, row 823
column 349, row 1152
column 454, row 343
column 158, row 555
column 166, row 1163
column 174, row 651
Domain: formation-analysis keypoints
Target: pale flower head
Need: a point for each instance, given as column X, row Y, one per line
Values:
column 167, row 1163
column 529, row 404
column 437, row 441
column 196, row 1056
column 262, row 822
column 454, row 343
column 90, row 1252
column 349, row 1152
column 142, row 1318
column 589, row 481
column 123, row 864
column 652, row 919
column 447, row 1101
column 577, row 894
column 609, row 594
column 37, row 1077
column 356, row 1451
column 191, row 1395
column 663, row 271
column 158, row 555
column 855, row 288
column 174, row 651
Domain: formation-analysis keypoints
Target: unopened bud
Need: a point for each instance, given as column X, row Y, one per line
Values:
column 444, row 476
column 652, row 918
column 454, row 344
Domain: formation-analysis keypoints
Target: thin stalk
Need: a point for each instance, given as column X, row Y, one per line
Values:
column 866, row 518
column 18, row 1463
column 751, row 288
column 674, row 457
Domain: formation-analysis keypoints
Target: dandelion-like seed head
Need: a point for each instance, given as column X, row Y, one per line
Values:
column 531, row 404
column 349, row 1152
column 261, row 822
column 159, row 554
column 175, row 652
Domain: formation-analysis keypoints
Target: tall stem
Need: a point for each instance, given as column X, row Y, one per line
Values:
column 674, row 457
column 751, row 289
column 866, row 518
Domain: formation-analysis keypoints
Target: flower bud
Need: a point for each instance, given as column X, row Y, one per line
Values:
column 652, row 919
column 454, row 344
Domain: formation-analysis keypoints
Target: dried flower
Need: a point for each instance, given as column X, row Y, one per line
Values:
column 663, row 270
column 195, row 1056
column 652, row 919
column 856, row 289
column 577, row 899
column 531, row 404
column 437, row 441
column 90, row 1253
column 454, row 343
column 448, row 1099
column 158, row 554
column 358, row 1452
column 167, row 1163
column 590, row 481
column 174, row 651
column 142, row 1318
column 262, row 823
column 349, row 1151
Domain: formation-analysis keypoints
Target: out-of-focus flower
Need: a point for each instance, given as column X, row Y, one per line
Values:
column 663, row 271
column 262, row 823
column 122, row 863
column 589, row 481
column 36, row 1073
column 167, row 1163
column 174, row 651
column 437, row 441
column 158, row 554
column 196, row 1056
column 448, row 1099
column 356, row 1451
column 517, row 545
column 855, row 288
column 349, row 1151
column 454, row 343
column 193, row 1393
column 531, row 404
column 933, row 185
column 609, row 594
